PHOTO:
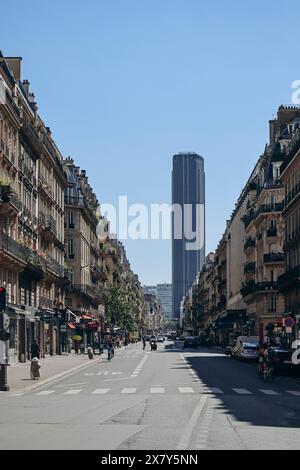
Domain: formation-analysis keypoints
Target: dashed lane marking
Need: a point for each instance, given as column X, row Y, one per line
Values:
column 241, row 391
column 128, row 390
column 73, row 392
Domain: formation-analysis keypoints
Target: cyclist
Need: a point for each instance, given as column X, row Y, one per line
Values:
column 269, row 363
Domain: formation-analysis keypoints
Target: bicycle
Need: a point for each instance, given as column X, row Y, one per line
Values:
column 268, row 372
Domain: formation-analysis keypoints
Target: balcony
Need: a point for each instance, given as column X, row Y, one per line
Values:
column 92, row 292
column 267, row 208
column 250, row 243
column 290, row 280
column 252, row 287
column 46, row 303
column 274, row 258
column 292, row 151
column 54, row 266
column 45, row 187
column 11, row 105
column 249, row 268
column 8, row 154
column 272, row 232
column 98, row 272
column 74, row 201
column 48, row 222
column 36, row 266
column 13, row 248
column 11, row 203
column 248, row 218
column 28, row 173
column 31, row 136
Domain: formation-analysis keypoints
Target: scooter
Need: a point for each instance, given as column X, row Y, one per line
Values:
column 90, row 353
column 35, row 368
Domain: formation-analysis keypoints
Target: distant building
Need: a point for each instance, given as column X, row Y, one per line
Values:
column 188, row 190
column 164, row 293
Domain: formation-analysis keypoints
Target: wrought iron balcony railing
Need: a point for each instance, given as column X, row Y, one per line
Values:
column 274, row 258
column 12, row 247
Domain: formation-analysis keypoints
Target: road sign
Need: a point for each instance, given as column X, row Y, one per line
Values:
column 289, row 322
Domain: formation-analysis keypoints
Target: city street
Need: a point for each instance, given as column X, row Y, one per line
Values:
column 169, row 399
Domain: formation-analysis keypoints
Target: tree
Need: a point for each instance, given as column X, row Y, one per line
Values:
column 120, row 310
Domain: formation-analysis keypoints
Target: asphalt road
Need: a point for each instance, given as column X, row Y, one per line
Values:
column 165, row 400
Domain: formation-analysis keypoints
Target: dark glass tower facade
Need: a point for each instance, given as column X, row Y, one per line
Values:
column 188, row 194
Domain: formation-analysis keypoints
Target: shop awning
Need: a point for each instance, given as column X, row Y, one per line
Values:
column 11, row 310
column 71, row 326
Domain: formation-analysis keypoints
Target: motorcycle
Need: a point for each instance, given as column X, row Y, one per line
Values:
column 153, row 346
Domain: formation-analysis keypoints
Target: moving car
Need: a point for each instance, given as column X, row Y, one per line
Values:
column 248, row 351
column 190, row 342
column 246, row 347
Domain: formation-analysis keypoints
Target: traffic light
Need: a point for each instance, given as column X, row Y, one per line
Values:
column 2, row 298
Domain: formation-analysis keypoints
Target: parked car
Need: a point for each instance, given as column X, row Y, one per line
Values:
column 190, row 342
column 160, row 339
column 283, row 362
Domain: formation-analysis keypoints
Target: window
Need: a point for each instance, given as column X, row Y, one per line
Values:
column 272, row 304
column 71, row 246
column 71, row 219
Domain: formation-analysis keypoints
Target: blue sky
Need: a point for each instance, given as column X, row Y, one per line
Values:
column 125, row 84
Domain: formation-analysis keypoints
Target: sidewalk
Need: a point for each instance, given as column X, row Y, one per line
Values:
column 18, row 375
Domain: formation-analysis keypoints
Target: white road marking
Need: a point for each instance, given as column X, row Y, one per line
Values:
column 186, row 390
column 16, row 394
column 128, row 390
column 72, row 392
column 268, row 392
column 295, row 393
column 139, row 366
column 46, row 392
column 100, row 391
column 188, row 431
column 242, row 391
column 89, row 374
column 216, row 391
column 157, row 390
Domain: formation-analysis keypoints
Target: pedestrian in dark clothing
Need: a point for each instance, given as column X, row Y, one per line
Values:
column 35, row 350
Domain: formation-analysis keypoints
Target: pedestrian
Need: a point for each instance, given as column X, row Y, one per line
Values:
column 278, row 341
column 35, row 350
column 70, row 344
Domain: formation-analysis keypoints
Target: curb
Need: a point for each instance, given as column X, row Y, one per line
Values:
column 58, row 376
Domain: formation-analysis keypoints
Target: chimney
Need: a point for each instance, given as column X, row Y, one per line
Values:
column 26, row 85
column 14, row 65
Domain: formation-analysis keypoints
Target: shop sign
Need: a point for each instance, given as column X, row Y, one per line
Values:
column 63, row 328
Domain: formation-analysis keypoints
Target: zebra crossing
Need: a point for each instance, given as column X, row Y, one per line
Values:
column 159, row 390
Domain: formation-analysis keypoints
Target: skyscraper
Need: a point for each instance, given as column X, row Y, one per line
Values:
column 188, row 240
